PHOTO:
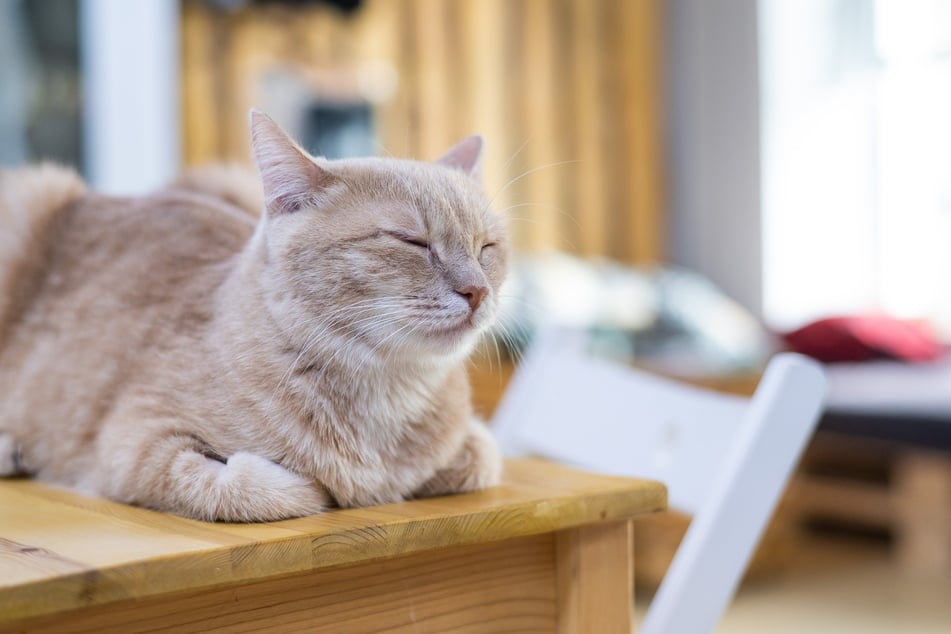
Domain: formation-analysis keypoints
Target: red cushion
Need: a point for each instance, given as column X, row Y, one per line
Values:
column 861, row 338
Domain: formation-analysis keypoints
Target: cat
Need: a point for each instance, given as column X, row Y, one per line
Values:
column 188, row 353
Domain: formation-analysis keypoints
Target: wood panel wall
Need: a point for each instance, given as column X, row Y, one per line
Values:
column 566, row 92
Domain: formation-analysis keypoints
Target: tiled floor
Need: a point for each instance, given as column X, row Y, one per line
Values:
column 838, row 586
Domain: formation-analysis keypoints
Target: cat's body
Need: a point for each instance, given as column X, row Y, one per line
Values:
column 178, row 352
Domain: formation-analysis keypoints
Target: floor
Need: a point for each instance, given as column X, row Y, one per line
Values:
column 839, row 586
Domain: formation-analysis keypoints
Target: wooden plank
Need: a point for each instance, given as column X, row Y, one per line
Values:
column 432, row 98
column 200, row 127
column 484, row 64
column 586, row 71
column 28, row 563
column 459, row 91
column 616, row 164
column 642, row 89
column 595, row 577
column 378, row 59
column 567, row 192
column 516, row 126
column 241, row 66
column 540, row 207
column 922, row 504
column 409, row 68
column 122, row 552
column 499, row 587
column 828, row 497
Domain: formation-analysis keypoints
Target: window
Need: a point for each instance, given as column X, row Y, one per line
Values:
column 856, row 150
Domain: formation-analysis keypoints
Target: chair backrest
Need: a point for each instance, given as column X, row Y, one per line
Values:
column 725, row 459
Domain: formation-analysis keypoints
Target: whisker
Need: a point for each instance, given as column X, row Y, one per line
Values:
column 508, row 163
column 515, row 179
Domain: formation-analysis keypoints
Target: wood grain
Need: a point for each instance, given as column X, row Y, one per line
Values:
column 95, row 552
column 595, row 577
column 496, row 587
column 589, row 209
column 641, row 84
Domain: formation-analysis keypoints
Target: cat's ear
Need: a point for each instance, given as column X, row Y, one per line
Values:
column 290, row 177
column 465, row 155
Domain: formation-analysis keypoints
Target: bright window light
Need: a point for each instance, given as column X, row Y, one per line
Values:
column 856, row 159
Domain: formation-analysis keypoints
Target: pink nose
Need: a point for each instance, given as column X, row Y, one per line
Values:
column 474, row 295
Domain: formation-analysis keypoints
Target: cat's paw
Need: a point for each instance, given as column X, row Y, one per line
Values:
column 484, row 459
column 477, row 465
column 254, row 489
column 9, row 456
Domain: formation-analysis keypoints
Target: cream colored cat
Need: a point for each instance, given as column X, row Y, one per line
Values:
column 180, row 352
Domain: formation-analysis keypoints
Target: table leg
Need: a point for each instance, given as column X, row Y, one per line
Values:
column 595, row 578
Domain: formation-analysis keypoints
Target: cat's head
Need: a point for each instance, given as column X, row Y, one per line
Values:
column 401, row 257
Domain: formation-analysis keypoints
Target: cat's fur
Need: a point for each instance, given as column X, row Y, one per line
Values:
column 184, row 352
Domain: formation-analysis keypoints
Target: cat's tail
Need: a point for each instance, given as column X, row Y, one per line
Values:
column 236, row 184
column 29, row 195
column 30, row 199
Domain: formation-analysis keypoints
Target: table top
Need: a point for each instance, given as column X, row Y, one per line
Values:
column 60, row 551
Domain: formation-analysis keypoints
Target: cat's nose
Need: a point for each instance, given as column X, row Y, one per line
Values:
column 474, row 295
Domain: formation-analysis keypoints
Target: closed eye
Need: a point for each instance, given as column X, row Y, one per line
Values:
column 422, row 243
column 416, row 242
column 488, row 245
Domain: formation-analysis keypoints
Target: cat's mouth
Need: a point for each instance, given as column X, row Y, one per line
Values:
column 457, row 329
column 460, row 328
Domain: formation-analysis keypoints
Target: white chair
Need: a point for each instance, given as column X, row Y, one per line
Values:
column 725, row 459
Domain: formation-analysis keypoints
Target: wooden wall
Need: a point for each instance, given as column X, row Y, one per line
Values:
column 566, row 92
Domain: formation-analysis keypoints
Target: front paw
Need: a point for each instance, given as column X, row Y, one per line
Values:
column 477, row 466
column 256, row 489
column 11, row 461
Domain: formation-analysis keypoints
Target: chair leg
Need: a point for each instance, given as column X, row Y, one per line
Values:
column 595, row 577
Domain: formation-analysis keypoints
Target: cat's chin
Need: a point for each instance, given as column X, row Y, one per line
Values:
column 457, row 339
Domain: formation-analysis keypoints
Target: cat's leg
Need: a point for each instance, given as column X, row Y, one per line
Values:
column 178, row 473
column 477, row 465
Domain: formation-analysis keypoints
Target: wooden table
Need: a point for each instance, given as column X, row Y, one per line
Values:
column 549, row 550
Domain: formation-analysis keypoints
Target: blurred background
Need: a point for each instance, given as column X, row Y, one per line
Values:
column 698, row 182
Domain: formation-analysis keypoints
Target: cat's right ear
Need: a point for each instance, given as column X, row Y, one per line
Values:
column 290, row 177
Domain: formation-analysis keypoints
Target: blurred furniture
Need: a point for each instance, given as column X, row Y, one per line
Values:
column 884, row 458
column 567, row 94
column 725, row 460
column 548, row 550
column 890, row 400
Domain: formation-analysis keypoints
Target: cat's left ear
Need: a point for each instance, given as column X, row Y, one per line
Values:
column 465, row 155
